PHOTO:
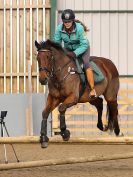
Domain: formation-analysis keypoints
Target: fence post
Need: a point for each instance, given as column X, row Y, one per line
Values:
column 29, row 118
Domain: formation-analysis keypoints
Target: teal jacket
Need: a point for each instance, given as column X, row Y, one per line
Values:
column 76, row 41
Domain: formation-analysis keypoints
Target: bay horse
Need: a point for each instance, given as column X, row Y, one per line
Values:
column 64, row 88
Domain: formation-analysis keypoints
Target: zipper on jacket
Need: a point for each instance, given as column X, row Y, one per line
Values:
column 69, row 38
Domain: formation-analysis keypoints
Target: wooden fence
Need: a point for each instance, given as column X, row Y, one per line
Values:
column 82, row 118
column 22, row 22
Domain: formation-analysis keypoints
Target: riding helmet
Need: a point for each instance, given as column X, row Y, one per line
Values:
column 68, row 15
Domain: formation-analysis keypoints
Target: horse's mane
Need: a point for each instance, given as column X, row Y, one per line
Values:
column 49, row 43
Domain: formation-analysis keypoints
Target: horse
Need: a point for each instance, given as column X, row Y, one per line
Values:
column 64, row 88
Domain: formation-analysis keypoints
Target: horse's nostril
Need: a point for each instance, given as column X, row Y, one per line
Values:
column 43, row 81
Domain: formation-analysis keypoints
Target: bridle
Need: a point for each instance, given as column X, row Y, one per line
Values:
column 52, row 72
column 44, row 68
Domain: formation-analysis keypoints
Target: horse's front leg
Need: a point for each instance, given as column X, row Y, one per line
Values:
column 50, row 105
column 69, row 101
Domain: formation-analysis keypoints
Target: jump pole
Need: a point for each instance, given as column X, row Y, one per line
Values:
column 51, row 162
column 91, row 140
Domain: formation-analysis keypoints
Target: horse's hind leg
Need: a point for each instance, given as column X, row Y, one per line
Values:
column 113, row 116
column 98, row 103
column 112, row 106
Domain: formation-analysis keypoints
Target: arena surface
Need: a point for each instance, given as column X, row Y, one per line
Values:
column 29, row 152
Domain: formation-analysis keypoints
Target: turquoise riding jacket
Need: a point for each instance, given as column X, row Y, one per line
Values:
column 76, row 41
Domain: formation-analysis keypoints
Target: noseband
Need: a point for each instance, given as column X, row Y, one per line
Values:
column 44, row 69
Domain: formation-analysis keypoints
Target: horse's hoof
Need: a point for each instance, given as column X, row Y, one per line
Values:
column 120, row 134
column 66, row 139
column 44, row 141
column 44, row 144
column 105, row 128
column 65, row 135
column 100, row 127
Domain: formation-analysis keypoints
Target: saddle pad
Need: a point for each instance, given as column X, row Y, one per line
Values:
column 98, row 75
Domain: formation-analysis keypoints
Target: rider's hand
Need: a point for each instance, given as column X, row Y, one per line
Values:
column 71, row 54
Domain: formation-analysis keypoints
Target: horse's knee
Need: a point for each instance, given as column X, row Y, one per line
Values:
column 62, row 108
column 44, row 114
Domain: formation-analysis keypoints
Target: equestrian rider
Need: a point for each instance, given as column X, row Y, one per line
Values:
column 76, row 44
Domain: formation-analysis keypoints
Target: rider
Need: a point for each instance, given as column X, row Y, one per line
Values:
column 76, row 44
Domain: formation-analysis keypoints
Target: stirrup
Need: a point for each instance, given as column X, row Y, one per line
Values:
column 93, row 96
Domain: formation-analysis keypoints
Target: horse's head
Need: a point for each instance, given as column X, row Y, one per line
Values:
column 50, row 57
column 44, row 58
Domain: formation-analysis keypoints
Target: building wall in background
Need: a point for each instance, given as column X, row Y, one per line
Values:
column 111, row 25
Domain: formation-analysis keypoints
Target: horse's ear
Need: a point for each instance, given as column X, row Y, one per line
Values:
column 38, row 46
column 48, row 41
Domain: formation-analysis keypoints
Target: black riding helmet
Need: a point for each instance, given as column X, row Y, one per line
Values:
column 68, row 15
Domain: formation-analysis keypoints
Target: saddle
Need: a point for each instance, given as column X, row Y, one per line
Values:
column 98, row 75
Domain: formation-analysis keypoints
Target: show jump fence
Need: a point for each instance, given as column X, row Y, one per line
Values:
column 89, row 140
column 39, row 163
column 51, row 162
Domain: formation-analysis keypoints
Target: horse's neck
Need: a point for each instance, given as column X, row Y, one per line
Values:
column 60, row 60
column 60, row 66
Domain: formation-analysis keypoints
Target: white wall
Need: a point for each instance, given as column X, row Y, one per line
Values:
column 111, row 34
column 16, row 105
